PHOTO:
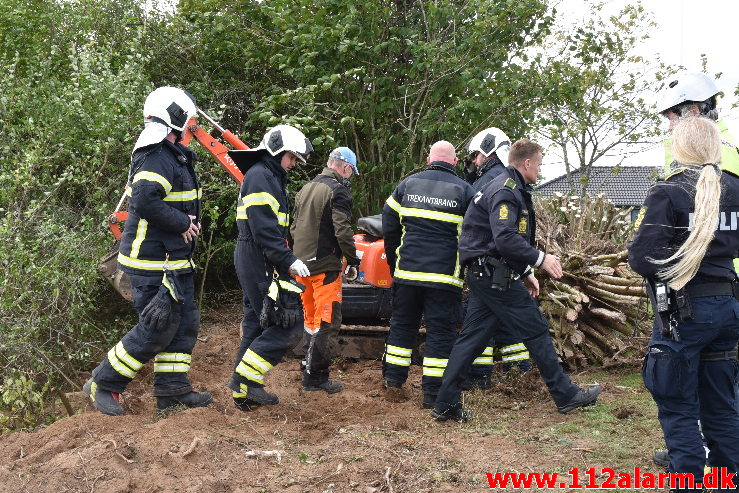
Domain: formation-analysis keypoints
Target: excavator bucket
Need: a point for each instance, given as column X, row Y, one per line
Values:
column 108, row 267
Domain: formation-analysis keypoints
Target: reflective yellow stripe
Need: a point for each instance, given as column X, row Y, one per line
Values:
column 173, row 357
column 140, row 237
column 122, row 362
column 516, row 357
column 513, row 347
column 439, row 362
column 249, row 373
column 394, row 205
column 483, row 360
column 428, row 276
column 424, row 213
column 393, row 360
column 123, row 355
column 434, row 367
column 398, row 351
column 262, row 198
column 155, row 177
column 430, row 371
column 288, row 286
column 171, row 368
column 183, row 196
column 153, row 264
column 256, row 361
column 488, row 351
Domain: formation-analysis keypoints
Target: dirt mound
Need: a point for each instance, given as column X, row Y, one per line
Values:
column 355, row 440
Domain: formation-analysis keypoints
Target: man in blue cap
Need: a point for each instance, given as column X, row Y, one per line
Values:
column 322, row 235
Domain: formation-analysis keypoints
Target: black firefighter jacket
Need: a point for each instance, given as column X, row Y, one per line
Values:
column 321, row 230
column 262, row 211
column 500, row 223
column 163, row 192
column 665, row 221
column 421, row 222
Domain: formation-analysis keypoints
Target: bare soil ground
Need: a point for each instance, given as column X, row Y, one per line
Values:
column 357, row 440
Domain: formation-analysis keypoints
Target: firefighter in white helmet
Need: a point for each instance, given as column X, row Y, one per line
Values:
column 695, row 94
column 487, row 158
column 273, row 317
column 156, row 252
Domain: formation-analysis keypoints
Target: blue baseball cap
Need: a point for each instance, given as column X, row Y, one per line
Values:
column 346, row 155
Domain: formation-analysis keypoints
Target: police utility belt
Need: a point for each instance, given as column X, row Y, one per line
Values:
column 501, row 276
column 669, row 303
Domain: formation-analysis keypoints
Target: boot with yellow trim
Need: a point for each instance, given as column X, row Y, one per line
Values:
column 191, row 399
column 250, row 397
column 104, row 401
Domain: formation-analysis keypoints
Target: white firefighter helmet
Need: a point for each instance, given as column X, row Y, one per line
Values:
column 165, row 109
column 489, row 141
column 286, row 138
column 690, row 86
column 281, row 138
column 172, row 106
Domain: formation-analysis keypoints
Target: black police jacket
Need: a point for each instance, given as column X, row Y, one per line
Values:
column 500, row 222
column 487, row 172
column 163, row 192
column 421, row 221
column 262, row 212
column 666, row 218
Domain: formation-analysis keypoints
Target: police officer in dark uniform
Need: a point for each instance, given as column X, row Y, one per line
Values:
column 159, row 235
column 684, row 247
column 488, row 150
column 264, row 264
column 497, row 245
column 421, row 222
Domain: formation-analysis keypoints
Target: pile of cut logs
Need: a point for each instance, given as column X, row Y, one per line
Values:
column 598, row 312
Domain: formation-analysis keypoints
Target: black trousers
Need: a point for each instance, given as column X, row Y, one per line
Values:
column 488, row 309
column 172, row 357
column 438, row 308
column 260, row 349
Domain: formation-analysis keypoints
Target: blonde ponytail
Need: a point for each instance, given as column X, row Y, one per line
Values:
column 696, row 142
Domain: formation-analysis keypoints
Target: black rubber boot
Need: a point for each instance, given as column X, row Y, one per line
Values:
column 255, row 397
column 329, row 386
column 662, row 458
column 429, row 400
column 457, row 414
column 191, row 399
column 583, row 398
column 104, row 401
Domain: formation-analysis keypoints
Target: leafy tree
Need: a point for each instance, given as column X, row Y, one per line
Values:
column 71, row 74
column 606, row 107
column 387, row 78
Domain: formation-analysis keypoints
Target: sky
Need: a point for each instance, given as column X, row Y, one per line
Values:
column 685, row 30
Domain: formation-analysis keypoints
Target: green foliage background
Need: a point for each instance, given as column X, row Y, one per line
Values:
column 386, row 77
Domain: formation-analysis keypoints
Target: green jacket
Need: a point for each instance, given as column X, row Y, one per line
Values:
column 321, row 230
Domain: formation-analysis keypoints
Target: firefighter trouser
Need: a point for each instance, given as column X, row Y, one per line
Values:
column 322, row 320
column 487, row 310
column 437, row 306
column 260, row 349
column 696, row 379
column 508, row 348
column 171, row 357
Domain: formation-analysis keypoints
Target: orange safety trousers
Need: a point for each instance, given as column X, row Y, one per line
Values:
column 322, row 320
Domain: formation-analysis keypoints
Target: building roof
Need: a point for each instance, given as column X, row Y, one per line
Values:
column 625, row 186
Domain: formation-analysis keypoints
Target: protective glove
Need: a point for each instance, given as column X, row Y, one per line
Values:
column 298, row 268
column 351, row 273
column 162, row 314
